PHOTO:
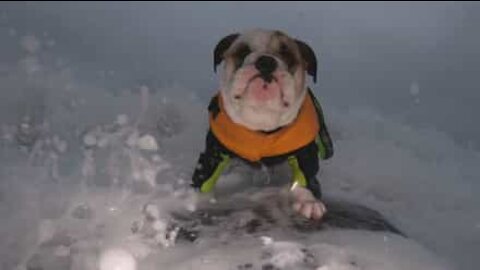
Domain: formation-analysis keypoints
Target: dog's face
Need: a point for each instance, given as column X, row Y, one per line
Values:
column 263, row 80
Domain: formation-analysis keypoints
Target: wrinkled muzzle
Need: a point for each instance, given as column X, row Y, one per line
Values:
column 262, row 95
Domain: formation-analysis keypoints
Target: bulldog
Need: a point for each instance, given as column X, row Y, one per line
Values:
column 264, row 113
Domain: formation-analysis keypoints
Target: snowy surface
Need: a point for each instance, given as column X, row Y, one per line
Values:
column 88, row 177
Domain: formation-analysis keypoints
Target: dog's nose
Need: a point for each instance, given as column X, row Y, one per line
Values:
column 266, row 64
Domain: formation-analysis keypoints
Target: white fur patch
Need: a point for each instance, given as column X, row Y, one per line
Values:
column 257, row 39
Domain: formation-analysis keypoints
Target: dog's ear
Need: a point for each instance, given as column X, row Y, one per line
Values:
column 220, row 49
column 309, row 57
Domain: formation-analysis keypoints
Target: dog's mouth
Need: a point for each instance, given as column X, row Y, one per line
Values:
column 263, row 88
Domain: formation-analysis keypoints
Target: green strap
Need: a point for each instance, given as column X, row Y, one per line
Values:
column 208, row 185
column 322, row 151
column 298, row 176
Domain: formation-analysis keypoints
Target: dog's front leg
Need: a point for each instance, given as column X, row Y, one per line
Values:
column 210, row 165
column 306, row 191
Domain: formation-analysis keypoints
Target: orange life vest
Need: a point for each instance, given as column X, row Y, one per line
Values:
column 254, row 145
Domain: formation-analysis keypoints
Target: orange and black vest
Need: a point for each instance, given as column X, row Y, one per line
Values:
column 251, row 145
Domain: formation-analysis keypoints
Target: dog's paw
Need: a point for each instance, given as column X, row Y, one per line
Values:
column 306, row 204
column 310, row 210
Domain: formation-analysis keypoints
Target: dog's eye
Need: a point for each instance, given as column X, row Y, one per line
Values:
column 243, row 52
column 240, row 54
column 287, row 56
column 283, row 47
